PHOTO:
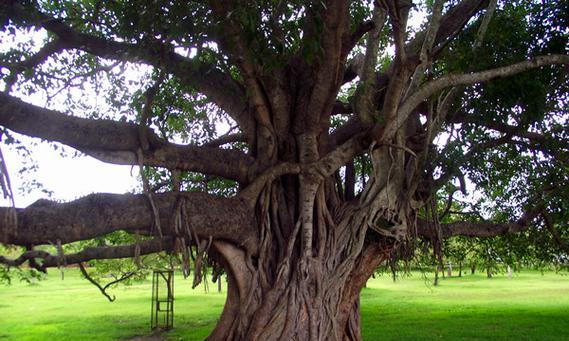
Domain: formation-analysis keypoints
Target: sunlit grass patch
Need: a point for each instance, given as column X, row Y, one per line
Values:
column 528, row 306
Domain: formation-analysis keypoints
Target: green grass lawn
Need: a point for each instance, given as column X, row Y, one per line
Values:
column 527, row 307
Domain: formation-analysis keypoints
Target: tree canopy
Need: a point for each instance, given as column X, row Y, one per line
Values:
column 296, row 145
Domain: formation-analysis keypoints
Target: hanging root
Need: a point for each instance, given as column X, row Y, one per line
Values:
column 184, row 250
column 217, row 273
column 148, row 192
column 186, row 237
column 201, row 263
column 10, row 219
column 61, row 262
column 144, row 146
column 181, row 245
column 136, row 255
column 437, row 239
column 5, row 179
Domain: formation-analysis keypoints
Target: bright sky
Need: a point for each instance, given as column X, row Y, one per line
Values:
column 68, row 177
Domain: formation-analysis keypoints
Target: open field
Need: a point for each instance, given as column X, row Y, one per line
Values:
column 527, row 307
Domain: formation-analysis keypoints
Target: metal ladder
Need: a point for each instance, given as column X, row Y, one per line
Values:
column 162, row 314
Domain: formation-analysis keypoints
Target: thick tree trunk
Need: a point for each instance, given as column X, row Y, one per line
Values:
column 295, row 306
column 305, row 281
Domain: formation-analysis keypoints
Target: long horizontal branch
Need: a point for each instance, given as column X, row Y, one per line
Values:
column 109, row 252
column 46, row 222
column 482, row 229
column 217, row 85
column 118, row 142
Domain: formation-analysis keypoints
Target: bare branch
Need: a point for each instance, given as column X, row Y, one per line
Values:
column 484, row 25
column 454, row 21
column 448, row 205
column 398, row 11
column 506, row 128
column 346, row 131
column 345, row 152
column 251, row 192
column 536, row 141
column 445, row 104
column 235, row 43
column 360, row 31
column 451, row 23
column 104, row 289
column 425, row 54
column 436, row 85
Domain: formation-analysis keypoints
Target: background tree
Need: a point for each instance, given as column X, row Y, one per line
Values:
column 316, row 191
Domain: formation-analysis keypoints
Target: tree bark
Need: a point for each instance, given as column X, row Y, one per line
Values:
column 278, row 301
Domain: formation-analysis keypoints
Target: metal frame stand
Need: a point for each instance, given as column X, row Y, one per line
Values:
column 162, row 313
